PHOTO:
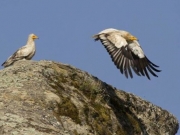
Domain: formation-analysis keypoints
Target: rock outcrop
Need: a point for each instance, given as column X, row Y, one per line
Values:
column 49, row 98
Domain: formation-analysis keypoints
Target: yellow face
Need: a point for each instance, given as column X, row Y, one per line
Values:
column 130, row 37
column 34, row 37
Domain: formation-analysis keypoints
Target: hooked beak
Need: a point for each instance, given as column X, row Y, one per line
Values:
column 35, row 37
column 132, row 38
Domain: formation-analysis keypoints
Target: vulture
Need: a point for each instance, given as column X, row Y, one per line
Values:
column 126, row 53
column 24, row 53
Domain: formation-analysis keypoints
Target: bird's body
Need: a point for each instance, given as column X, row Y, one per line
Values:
column 26, row 52
column 126, row 53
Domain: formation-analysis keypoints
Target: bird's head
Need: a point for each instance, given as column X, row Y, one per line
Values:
column 129, row 37
column 33, row 36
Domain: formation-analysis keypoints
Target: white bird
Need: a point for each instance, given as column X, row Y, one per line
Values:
column 26, row 52
column 126, row 52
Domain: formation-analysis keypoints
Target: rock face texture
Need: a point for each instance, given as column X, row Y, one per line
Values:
column 49, row 98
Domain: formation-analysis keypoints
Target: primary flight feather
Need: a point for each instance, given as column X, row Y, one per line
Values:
column 126, row 53
column 26, row 52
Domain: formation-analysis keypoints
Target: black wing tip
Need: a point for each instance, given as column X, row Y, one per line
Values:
column 3, row 64
column 96, row 39
column 158, row 70
column 151, row 62
column 127, row 75
column 154, row 68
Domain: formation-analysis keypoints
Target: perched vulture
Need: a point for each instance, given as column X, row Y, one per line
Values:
column 126, row 53
column 26, row 52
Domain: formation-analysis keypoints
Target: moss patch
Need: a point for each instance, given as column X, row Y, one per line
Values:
column 135, row 123
column 67, row 108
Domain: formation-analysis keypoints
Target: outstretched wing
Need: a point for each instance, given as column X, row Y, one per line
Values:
column 127, row 56
column 142, row 64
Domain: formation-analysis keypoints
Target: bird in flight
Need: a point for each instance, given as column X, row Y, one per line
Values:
column 26, row 52
column 126, row 53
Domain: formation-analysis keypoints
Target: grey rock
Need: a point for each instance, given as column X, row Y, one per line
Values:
column 50, row 98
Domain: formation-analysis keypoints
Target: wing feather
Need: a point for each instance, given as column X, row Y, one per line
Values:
column 149, row 69
column 126, row 67
column 129, row 69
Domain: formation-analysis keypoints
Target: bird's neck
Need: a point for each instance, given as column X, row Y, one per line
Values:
column 30, row 42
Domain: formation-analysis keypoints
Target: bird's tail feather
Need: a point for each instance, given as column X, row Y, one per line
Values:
column 8, row 62
column 96, row 37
